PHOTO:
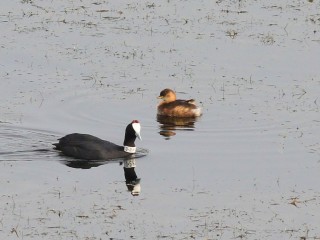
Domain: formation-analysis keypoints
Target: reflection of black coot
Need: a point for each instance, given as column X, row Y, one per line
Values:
column 130, row 174
column 132, row 180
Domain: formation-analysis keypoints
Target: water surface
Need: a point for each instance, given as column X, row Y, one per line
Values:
column 248, row 168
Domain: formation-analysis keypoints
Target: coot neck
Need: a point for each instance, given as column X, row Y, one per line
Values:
column 129, row 145
column 129, row 149
column 129, row 141
column 129, row 138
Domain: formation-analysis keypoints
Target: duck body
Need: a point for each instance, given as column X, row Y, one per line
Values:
column 88, row 147
column 172, row 107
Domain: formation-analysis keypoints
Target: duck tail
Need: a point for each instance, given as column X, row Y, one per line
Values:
column 192, row 101
column 197, row 112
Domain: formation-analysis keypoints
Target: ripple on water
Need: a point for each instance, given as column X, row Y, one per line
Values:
column 96, row 111
column 23, row 144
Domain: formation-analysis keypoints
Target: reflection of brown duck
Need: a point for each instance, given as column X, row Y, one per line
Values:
column 177, row 122
column 168, row 125
column 172, row 107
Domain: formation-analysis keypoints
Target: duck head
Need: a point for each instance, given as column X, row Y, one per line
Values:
column 167, row 95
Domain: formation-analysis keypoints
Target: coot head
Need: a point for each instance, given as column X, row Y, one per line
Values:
column 132, row 132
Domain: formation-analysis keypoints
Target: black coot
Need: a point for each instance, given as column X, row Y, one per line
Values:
column 88, row 147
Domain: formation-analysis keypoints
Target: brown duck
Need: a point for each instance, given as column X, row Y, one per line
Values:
column 172, row 107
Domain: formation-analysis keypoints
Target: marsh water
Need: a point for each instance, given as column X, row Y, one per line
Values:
column 248, row 168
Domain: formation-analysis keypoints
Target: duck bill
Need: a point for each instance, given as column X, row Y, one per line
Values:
column 160, row 97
